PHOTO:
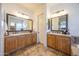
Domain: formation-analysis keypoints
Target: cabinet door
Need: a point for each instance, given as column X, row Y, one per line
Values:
column 66, row 45
column 51, row 41
column 10, row 44
column 63, row 44
column 29, row 39
column 25, row 39
column 59, row 43
column 34, row 38
column 20, row 41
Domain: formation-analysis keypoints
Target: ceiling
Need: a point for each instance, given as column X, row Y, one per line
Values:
column 37, row 8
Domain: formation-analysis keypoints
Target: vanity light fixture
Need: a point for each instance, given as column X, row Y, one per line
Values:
column 22, row 15
column 59, row 13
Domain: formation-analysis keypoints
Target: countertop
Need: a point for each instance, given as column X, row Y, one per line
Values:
column 18, row 34
column 59, row 34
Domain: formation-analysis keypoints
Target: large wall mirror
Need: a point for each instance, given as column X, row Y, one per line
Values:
column 59, row 23
column 15, row 23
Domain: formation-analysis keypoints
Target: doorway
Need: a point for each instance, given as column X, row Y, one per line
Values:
column 42, row 28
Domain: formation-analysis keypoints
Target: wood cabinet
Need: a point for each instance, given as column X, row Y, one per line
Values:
column 20, row 41
column 51, row 41
column 10, row 44
column 29, row 40
column 13, row 43
column 60, row 43
column 34, row 38
column 66, row 45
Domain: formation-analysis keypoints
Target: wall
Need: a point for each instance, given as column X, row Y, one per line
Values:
column 1, row 31
column 73, row 15
column 12, row 8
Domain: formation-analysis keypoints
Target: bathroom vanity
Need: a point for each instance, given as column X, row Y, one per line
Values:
column 58, row 37
column 59, row 42
column 17, row 41
column 19, row 33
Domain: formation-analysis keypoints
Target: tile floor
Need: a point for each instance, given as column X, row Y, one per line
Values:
column 37, row 50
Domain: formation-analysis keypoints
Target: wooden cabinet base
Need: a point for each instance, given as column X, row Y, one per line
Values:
column 13, row 43
column 59, row 43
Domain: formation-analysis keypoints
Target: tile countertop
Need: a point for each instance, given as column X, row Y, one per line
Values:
column 60, row 34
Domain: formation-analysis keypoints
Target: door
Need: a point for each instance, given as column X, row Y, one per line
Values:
column 41, row 28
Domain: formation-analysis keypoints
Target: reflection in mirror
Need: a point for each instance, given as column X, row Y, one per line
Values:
column 60, row 24
column 15, row 23
column 49, row 24
column 55, row 23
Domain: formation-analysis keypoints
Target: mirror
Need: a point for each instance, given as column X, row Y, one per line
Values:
column 15, row 23
column 59, row 24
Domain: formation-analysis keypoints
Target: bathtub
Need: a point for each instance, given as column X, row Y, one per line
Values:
column 75, row 50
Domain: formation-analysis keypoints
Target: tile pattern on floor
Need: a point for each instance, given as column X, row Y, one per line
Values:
column 37, row 50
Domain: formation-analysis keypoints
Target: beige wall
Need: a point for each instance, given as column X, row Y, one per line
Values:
column 12, row 8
